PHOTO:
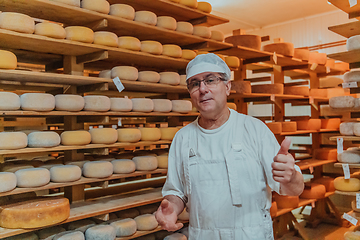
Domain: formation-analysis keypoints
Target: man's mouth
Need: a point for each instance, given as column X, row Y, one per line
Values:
column 205, row 100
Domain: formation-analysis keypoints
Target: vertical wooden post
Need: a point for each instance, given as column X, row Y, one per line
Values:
column 240, row 75
column 278, row 77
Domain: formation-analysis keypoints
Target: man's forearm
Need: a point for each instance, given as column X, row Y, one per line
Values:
column 293, row 188
column 177, row 203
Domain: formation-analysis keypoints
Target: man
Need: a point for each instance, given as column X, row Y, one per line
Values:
column 223, row 166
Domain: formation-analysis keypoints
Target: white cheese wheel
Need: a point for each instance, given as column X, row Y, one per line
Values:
column 106, row 38
column 13, row 140
column 188, row 54
column 49, row 233
column 168, row 133
column 352, row 235
column 162, row 105
column 166, row 22
column 316, row 57
column 128, row 42
column 152, row 47
column 286, row 49
column 122, row 10
column 310, row 124
column 330, row 82
column 349, row 156
column 8, row 181
column 105, row 74
column 125, row 227
column 128, row 135
column 352, row 76
column 100, row 232
column 17, row 22
column 232, row 61
column 171, row 78
column 146, row 17
column 65, row 173
column 43, row 139
column 101, row 6
column 150, row 134
column 316, row 191
column 342, row 102
column 149, row 76
column 185, row 27
column 50, row 29
column 97, row 169
column 70, row 235
column 103, row 135
column 184, row 215
column 32, row 177
column 8, row 60
column 275, row 127
column 69, row 2
column 121, row 104
column 162, row 161
column 202, row 31
column 347, row 185
column 217, row 35
column 356, row 128
column 97, row 103
column 146, row 222
column 24, row 236
column 69, row 102
column 325, row 154
column 123, row 166
column 79, row 137
column 81, row 225
column 181, row 106
column 183, row 80
column 142, row 105
column 37, row 102
column 176, row 236
column 347, row 128
column 9, row 101
column 125, row 73
column 204, row 7
column 172, row 50
column 79, row 34
column 288, row 126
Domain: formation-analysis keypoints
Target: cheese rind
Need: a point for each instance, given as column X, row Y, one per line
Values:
column 241, row 86
column 50, row 29
column 286, row 49
column 352, row 76
column 328, row 182
column 276, row 88
column 172, row 50
column 316, row 191
column 288, row 126
column 162, row 105
column 250, row 41
column 347, row 185
column 43, row 139
column 146, row 222
column 37, row 102
column 342, row 102
column 17, row 22
column 181, row 106
column 217, row 35
column 166, row 22
column 123, row 166
column 103, row 135
column 347, row 128
column 171, row 78
column 128, row 42
column 13, row 140
column 185, row 27
column 168, row 133
column 32, row 177
column 202, row 31
column 128, row 134
column 100, row 232
column 9, row 101
column 97, row 103
column 8, row 181
column 121, row 104
column 349, row 156
column 125, row 73
column 162, row 161
column 330, row 82
column 302, row 54
column 122, row 10
column 232, row 61
column 146, row 17
column 310, row 124
column 125, row 227
column 78, row 137
column 275, row 127
column 101, row 6
column 65, row 173
column 105, row 74
column 204, row 7
column 150, row 134
column 297, row 90
column 70, row 235
column 142, row 105
column 79, row 34
column 106, row 38
column 149, row 76
column 189, row 3
column 152, row 47
column 69, row 102
column 331, row 123
column 188, row 54
column 97, row 169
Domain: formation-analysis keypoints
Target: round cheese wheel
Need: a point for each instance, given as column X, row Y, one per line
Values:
column 8, row 181
column 162, row 105
column 121, row 104
column 122, row 10
column 189, row 3
column 125, row 73
column 32, row 177
column 101, row 6
column 70, row 235
column 162, row 161
column 79, row 34
column 37, row 102
column 142, row 105
column 184, row 215
column 50, row 29
column 13, row 140
column 97, row 169
column 172, row 50
column 106, row 38
column 97, row 103
column 316, row 57
column 125, row 227
column 105, row 74
column 297, row 90
column 204, row 7
column 69, row 2
column 152, row 47
column 310, row 124
column 231, row 105
column 286, row 49
column 286, row 201
column 328, row 182
column 202, row 31
column 352, row 76
column 347, row 128
column 131, row 43
column 69, row 102
column 276, row 88
column 217, row 35
column 176, row 236
column 275, row 127
column 183, row 80
column 342, row 102
column 81, row 225
column 302, row 54
column 9, row 101
column 331, row 123
column 171, row 78
column 166, row 22
column 146, row 17
column 241, row 86
column 288, row 126
column 232, row 61
column 349, row 156
column 185, row 27
column 250, row 41
column 103, row 135
column 8, row 60
column 347, row 185
column 49, row 233
column 129, row 135
column 43, row 139
column 149, row 76
column 65, row 173
column 150, row 134
column 357, row 103
column 356, row 128
column 79, row 137
column 316, row 191
column 100, row 232
column 330, row 82
column 181, row 106
column 146, row 222
column 24, row 236
column 14, row 167
column 325, row 154
column 123, row 166
column 188, row 54
column 17, row 22
column 168, row 133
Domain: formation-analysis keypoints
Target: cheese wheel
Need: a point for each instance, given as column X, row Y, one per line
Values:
column 79, row 34
column 316, row 191
column 101, row 6
column 32, row 177
column 273, row 209
column 150, row 134
column 189, row 3
column 9, row 101
column 142, row 105
column 319, row 93
column 122, row 10
column 103, row 135
column 37, row 102
column 202, row 31
column 184, row 215
column 176, row 236
column 97, row 103
column 286, row 49
column 185, row 27
column 310, row 124
column 128, row 213
column 352, row 76
column 286, row 201
column 123, row 166
column 146, row 17
column 106, row 38
column 288, row 126
column 70, row 235
column 276, row 88
column 69, row 2
column 342, row 102
column 231, row 105
column 125, row 227
column 8, row 60
column 128, row 135
column 17, row 22
column 121, row 104
column 79, row 137
column 97, row 169
column 347, row 128
column 146, row 222
column 172, row 50
column 81, row 225
column 183, row 80
column 331, row 123
column 8, row 181
column 100, row 232
column 162, row 105
column 181, row 106
column 43, row 139
column 162, row 161
column 349, row 156
column 12, row 140
column 166, row 22
column 249, row 41
column 328, row 182
column 149, row 76
column 297, row 90
column 335, row 92
column 275, row 127
column 125, row 73
column 217, row 35
column 241, row 86
column 168, row 133
column 171, row 78
column 347, row 185
column 105, row 74
column 325, row 154
column 24, row 236
column 49, row 233
column 152, row 47
column 69, row 102
column 356, row 128
column 330, row 82
column 188, row 54
column 232, row 61
column 204, row 7
column 50, row 29
column 131, row 43
column 302, row 54
column 65, row 173
column 319, row 58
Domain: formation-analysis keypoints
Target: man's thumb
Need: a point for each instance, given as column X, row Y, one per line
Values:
column 285, row 145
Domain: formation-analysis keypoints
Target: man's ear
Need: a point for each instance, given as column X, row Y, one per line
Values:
column 228, row 88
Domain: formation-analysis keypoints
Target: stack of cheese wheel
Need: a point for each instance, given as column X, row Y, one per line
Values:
column 65, row 173
column 166, row 22
column 314, row 191
column 310, row 124
column 347, row 185
column 245, row 40
column 146, row 17
column 325, row 154
column 351, row 155
column 97, row 169
column 342, row 102
column 79, row 34
column 146, row 222
column 103, row 135
column 37, row 102
column 352, row 76
column 43, row 139
column 275, row 127
column 241, row 86
column 123, row 166
column 97, row 103
column 150, row 134
column 106, row 38
column 125, row 73
column 8, row 181
column 78, row 137
column 128, row 135
column 149, row 76
column 172, row 50
column 347, row 128
column 181, row 106
column 69, row 102
column 121, row 104
column 184, row 27
column 8, row 60
column 286, row 49
column 102, row 231
column 13, row 140
column 69, row 2
column 142, row 105
column 130, row 43
column 168, row 133
column 276, row 88
column 124, row 227
column 50, row 29
column 17, row 22
column 145, row 163
column 122, row 10
column 162, row 105
column 101, row 6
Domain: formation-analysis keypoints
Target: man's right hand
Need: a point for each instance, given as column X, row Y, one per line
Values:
column 167, row 216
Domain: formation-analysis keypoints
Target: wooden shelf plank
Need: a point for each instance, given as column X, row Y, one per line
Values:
column 346, row 138
column 351, row 165
column 346, row 30
column 348, row 56
column 306, row 164
column 300, row 132
column 346, row 193
column 345, row 6
column 261, row 97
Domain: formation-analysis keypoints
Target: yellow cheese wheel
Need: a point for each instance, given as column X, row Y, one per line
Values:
column 103, row 135
column 12, row 140
column 286, row 49
column 297, row 90
column 330, row 82
column 50, row 29
column 78, row 137
column 8, row 181
column 17, row 22
column 97, row 169
column 128, row 42
column 65, row 173
column 316, row 191
column 122, row 10
column 145, row 163
column 202, row 31
column 37, row 102
column 275, row 127
column 168, row 133
column 286, row 201
column 188, row 54
column 288, row 126
column 149, row 76
column 43, row 139
column 181, row 106
column 183, row 80
column 249, row 41
column 162, row 105
column 129, row 135
column 125, row 227
column 152, row 47
column 347, row 185
column 106, row 38
column 328, row 182
column 166, row 22
column 342, row 102
column 204, row 7
column 347, row 128
column 302, row 54
column 310, row 124
column 69, row 102
column 189, row 3
column 171, row 78
column 101, row 6
column 319, row 58
column 146, row 17
column 162, row 161
column 172, row 50
column 123, row 166
column 121, row 104
column 142, row 105
column 232, row 61
column 97, row 103
column 69, row 2
column 8, row 60
column 241, row 86
column 8, row 100
column 325, row 154
column 331, row 123
column 125, row 73
column 150, row 134
column 335, row 92
column 105, row 74
column 101, row 232
column 217, row 35
column 79, row 34
column 32, row 177
column 276, row 88
column 184, row 27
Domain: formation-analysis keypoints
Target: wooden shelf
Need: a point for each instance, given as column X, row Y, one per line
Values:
column 346, row 138
column 348, row 56
column 346, row 30
column 345, row 6
column 268, row 97
column 351, row 165
column 306, row 164
column 346, row 193
column 301, row 132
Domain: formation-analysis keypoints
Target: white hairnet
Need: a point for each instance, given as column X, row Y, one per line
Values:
column 209, row 62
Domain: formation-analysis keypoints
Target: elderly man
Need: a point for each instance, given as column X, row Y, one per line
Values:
column 224, row 165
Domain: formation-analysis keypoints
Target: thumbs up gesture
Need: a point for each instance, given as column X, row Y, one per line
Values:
column 283, row 166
